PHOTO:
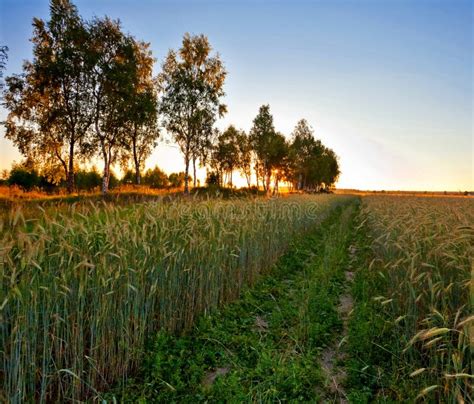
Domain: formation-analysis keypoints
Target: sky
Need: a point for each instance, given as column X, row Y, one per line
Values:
column 387, row 84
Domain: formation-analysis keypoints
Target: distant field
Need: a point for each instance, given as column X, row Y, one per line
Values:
column 86, row 289
column 405, row 193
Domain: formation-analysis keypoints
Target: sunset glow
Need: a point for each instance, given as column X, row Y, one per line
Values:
column 387, row 85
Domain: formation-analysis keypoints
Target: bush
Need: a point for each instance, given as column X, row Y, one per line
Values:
column 128, row 177
column 87, row 180
column 176, row 180
column 155, row 178
column 213, row 178
column 26, row 179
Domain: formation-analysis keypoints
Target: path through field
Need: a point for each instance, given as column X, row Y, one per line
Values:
column 280, row 341
column 333, row 357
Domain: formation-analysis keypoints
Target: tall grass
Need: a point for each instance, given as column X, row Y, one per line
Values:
column 82, row 288
column 423, row 256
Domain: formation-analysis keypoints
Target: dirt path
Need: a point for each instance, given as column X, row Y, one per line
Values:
column 333, row 356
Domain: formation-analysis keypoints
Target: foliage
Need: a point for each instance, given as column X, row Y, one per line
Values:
column 213, row 178
column 155, row 178
column 225, row 155
column 244, row 164
column 262, row 134
column 27, row 178
column 49, row 102
column 142, row 132
column 88, row 90
column 311, row 165
column 191, row 82
column 176, row 180
column 88, row 180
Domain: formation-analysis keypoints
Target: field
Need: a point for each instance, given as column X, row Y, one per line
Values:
column 412, row 328
column 304, row 297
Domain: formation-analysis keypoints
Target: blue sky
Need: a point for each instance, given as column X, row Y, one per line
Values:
column 386, row 84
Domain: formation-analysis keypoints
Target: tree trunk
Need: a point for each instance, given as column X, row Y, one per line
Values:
column 267, row 181
column 194, row 172
column 137, row 163
column 256, row 174
column 105, row 176
column 70, row 171
column 186, row 174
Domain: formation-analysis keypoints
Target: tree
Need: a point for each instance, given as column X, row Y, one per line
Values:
column 88, row 180
column 226, row 156
column 269, row 147
column 244, row 165
column 312, row 166
column 330, row 168
column 49, row 103
column 3, row 63
column 192, row 83
column 113, row 74
column 303, row 148
column 278, row 157
column 142, row 127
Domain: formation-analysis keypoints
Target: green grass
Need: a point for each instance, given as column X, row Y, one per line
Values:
column 268, row 342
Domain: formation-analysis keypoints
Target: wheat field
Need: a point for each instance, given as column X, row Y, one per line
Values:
column 82, row 287
column 423, row 250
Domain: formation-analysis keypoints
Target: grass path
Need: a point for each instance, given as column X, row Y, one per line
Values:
column 270, row 345
column 333, row 357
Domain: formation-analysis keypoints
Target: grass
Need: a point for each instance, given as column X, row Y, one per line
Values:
column 265, row 346
column 83, row 287
column 411, row 329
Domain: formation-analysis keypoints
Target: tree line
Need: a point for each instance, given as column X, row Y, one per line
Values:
column 89, row 92
column 26, row 176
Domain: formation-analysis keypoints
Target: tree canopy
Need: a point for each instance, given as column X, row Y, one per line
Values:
column 88, row 91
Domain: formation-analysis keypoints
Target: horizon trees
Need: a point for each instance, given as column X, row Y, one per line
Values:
column 142, row 129
column 225, row 157
column 312, row 165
